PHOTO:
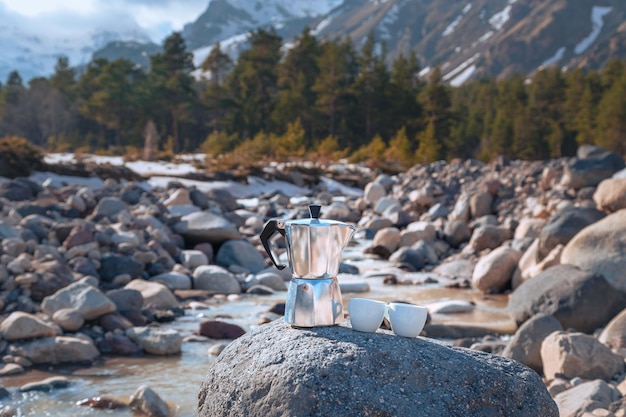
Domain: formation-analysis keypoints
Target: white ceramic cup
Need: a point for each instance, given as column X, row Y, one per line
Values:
column 366, row 315
column 407, row 320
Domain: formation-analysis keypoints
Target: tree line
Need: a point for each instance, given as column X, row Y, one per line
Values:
column 315, row 99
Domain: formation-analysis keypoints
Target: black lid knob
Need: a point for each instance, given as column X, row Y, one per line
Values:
column 315, row 209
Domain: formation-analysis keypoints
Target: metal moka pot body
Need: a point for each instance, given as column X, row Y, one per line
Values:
column 314, row 249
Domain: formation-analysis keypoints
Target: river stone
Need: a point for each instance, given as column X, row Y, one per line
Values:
column 155, row 340
column 109, row 207
column 278, row 370
column 461, row 210
column 601, row 248
column 217, row 329
column 241, row 253
column 578, row 355
column 611, row 194
column 69, row 319
column 59, row 349
column 53, row 275
column 8, row 369
column 19, row 189
column 577, row 299
column 494, row 270
column 193, row 258
column 173, row 280
column 614, row 334
column 463, row 268
column 113, row 265
column 590, row 167
column 154, row 294
column 488, row 237
column 148, row 402
column 529, row 227
column 588, row 396
column 480, row 204
column 82, row 297
column 373, row 192
column 525, row 347
column 456, row 232
column 205, row 226
column 389, row 238
column 216, row 279
column 269, row 279
column 424, row 230
column 46, row 385
column 127, row 301
column 80, row 234
column 564, row 225
column 408, row 256
column 20, row 325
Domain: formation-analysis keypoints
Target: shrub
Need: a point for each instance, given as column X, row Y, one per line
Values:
column 18, row 157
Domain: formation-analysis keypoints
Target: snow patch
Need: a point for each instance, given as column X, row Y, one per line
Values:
column 597, row 13
column 554, row 58
column 390, row 18
column 463, row 76
column 450, row 28
column 461, row 67
column 499, row 19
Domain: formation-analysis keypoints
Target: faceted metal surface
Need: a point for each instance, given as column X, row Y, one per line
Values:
column 313, row 302
column 314, row 251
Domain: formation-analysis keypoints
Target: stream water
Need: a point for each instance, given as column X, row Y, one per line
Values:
column 177, row 379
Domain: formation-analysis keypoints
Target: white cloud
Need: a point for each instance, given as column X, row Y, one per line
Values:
column 158, row 18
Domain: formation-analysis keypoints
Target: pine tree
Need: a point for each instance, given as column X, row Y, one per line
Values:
column 399, row 151
column 429, row 149
column 296, row 76
column 253, row 84
column 338, row 66
column 611, row 125
column 436, row 102
column 172, row 84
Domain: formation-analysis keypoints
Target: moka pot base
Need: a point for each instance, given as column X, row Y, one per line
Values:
column 314, row 302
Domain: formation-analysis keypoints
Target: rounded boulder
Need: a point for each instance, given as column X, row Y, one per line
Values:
column 277, row 370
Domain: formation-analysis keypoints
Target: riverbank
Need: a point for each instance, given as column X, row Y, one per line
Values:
column 172, row 265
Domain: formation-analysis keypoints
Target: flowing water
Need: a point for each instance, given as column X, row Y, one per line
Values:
column 177, row 379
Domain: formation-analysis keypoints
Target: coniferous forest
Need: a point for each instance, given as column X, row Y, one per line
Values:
column 319, row 100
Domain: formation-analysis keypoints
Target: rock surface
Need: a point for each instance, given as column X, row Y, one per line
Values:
column 577, row 299
column 282, row 371
column 601, row 247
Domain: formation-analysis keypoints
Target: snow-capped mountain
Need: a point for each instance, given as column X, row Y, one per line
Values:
column 34, row 50
column 466, row 38
column 230, row 21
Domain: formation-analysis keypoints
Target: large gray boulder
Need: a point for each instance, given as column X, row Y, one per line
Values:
column 591, row 165
column 601, row 248
column 564, row 225
column 278, row 370
column 578, row 299
column 87, row 300
column 240, row 253
column 204, row 226
column 525, row 347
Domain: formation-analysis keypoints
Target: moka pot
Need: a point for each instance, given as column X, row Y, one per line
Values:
column 314, row 249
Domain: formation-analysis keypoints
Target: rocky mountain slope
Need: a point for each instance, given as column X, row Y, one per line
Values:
column 466, row 38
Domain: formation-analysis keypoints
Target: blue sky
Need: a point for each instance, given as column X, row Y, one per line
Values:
column 158, row 18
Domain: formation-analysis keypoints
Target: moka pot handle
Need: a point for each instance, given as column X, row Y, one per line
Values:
column 270, row 228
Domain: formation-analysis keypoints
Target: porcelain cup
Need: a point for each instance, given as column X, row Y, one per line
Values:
column 407, row 320
column 366, row 315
